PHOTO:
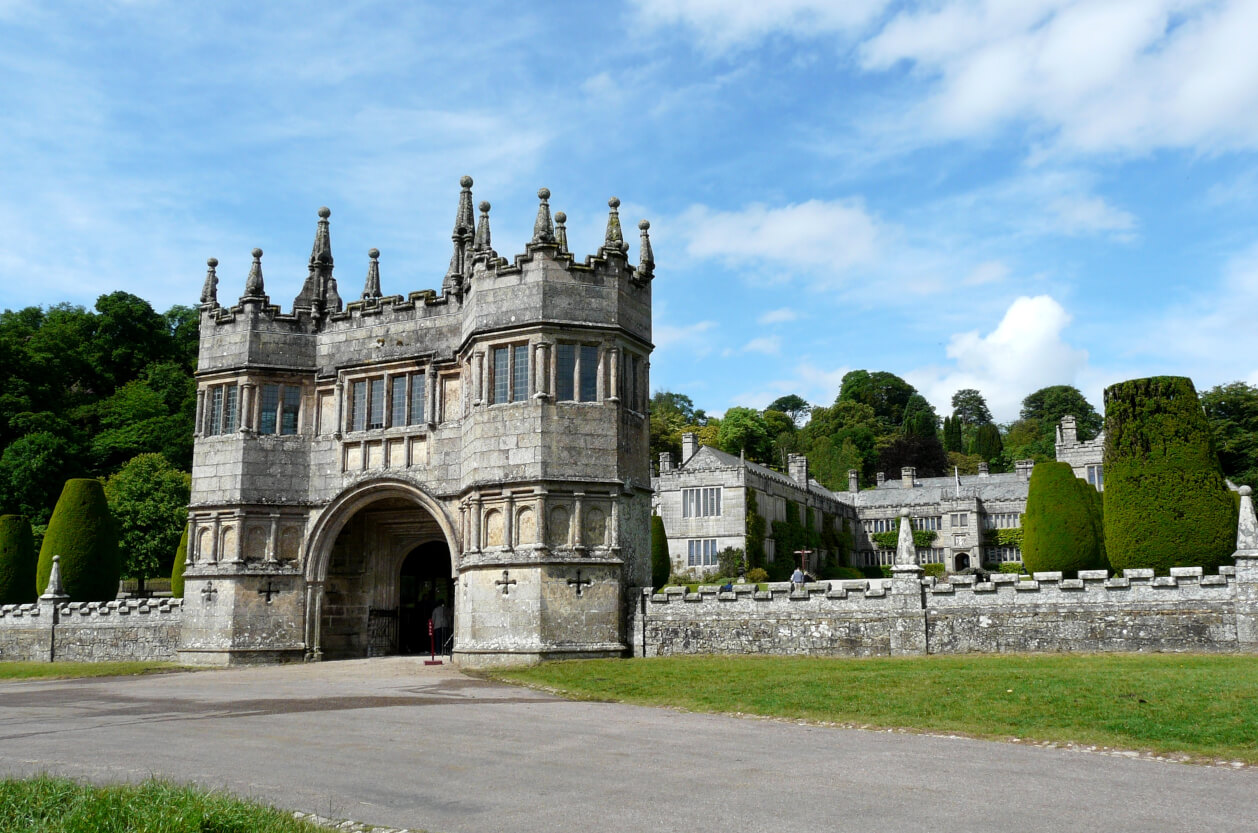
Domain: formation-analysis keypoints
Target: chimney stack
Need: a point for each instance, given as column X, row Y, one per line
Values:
column 1023, row 468
column 882, row 477
column 983, row 471
column 908, row 477
column 797, row 467
column 689, row 445
column 666, row 461
column 853, row 480
column 1067, row 431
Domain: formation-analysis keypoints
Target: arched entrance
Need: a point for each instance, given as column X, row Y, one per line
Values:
column 424, row 584
column 960, row 561
column 376, row 545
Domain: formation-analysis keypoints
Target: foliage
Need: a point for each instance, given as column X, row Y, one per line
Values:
column 924, row 453
column 1012, row 567
column 987, row 442
column 17, row 561
column 952, row 441
column 782, row 437
column 11, row 670
column 661, row 563
column 922, row 538
column 673, row 414
column 1200, row 704
column 56, row 805
column 969, row 406
column 1048, row 405
column 839, row 438
column 148, row 498
column 1007, row 537
column 1162, row 474
column 936, row 570
column 744, row 431
column 83, row 533
column 963, row 463
column 731, row 561
column 757, row 575
column 794, row 406
column 181, row 561
column 886, row 393
column 755, row 532
column 920, row 418
column 1233, row 414
column 1062, row 525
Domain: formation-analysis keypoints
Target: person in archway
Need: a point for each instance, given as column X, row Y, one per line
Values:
column 440, row 626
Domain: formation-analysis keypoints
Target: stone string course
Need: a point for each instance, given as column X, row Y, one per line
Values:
column 1186, row 611
column 122, row 630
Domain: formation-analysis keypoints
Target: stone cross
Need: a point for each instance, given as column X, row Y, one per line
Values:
column 579, row 583
column 269, row 591
column 209, row 593
column 505, row 582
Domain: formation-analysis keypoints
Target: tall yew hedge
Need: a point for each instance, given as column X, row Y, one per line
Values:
column 1062, row 528
column 83, row 533
column 176, row 570
column 17, row 560
column 661, row 564
column 1166, row 503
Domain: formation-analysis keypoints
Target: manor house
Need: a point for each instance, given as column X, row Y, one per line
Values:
column 483, row 448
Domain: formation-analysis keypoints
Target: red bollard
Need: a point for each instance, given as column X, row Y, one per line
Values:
column 432, row 648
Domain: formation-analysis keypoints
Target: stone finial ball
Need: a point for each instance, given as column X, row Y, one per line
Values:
column 1246, row 491
column 373, row 253
column 212, row 262
column 257, row 253
column 466, row 181
column 543, row 193
column 614, row 202
column 484, row 205
column 644, row 224
column 561, row 217
column 904, row 513
column 624, row 247
column 325, row 212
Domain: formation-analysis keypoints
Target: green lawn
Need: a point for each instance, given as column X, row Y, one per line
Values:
column 48, row 670
column 1204, row 706
column 58, row 805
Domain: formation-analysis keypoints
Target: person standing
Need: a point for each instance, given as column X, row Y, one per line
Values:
column 440, row 623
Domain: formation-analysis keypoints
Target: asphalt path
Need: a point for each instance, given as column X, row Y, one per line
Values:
column 392, row 742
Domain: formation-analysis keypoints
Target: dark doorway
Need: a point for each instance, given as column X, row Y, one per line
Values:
column 963, row 561
column 424, row 584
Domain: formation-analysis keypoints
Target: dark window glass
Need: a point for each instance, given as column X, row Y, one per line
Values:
column 358, row 407
column 520, row 373
column 231, row 414
column 398, row 415
column 216, row 411
column 589, row 373
column 502, row 375
column 565, row 371
column 376, row 417
column 292, row 407
column 270, row 406
column 417, row 399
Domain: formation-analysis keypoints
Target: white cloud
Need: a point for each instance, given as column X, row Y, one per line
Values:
column 782, row 315
column 724, row 24
column 690, row 336
column 1079, row 215
column 817, row 233
column 1126, row 75
column 987, row 272
column 768, row 345
column 1026, row 351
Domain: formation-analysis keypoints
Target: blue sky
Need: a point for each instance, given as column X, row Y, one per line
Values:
column 1001, row 195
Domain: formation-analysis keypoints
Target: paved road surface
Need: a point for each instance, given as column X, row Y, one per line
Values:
column 391, row 742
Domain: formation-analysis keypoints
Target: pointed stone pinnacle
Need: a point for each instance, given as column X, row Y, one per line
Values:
column 209, row 291
column 54, row 590
column 646, row 257
column 482, row 243
column 561, row 232
column 253, row 283
column 321, row 252
column 543, row 231
column 1247, row 526
column 905, row 552
column 371, row 291
column 613, row 238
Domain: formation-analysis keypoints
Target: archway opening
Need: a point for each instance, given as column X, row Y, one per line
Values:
column 962, row 562
column 387, row 562
column 425, row 593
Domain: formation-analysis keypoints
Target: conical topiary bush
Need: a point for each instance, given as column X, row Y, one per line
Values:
column 176, row 572
column 1061, row 529
column 661, row 564
column 1166, row 503
column 17, row 560
column 82, row 532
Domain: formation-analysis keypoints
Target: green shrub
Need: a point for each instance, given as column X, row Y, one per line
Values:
column 844, row 573
column 936, row 570
column 882, row 571
column 17, row 561
column 731, row 561
column 82, row 532
column 661, row 564
column 1061, row 530
column 757, row 575
column 176, row 572
column 1014, row 567
column 1165, row 502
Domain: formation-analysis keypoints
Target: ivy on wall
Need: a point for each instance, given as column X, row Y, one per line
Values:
column 755, row 532
column 922, row 538
column 1003, row 538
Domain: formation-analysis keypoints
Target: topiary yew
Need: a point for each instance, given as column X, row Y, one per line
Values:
column 176, row 571
column 1061, row 529
column 82, row 532
column 661, row 564
column 17, row 560
column 1166, row 502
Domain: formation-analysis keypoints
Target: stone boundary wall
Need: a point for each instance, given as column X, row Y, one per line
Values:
column 122, row 630
column 908, row 614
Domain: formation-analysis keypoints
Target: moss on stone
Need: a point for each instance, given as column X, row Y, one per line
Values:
column 1061, row 529
column 82, row 532
column 1166, row 503
column 17, row 560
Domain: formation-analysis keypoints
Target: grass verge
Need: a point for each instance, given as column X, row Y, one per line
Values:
column 1199, row 705
column 57, row 670
column 59, row 805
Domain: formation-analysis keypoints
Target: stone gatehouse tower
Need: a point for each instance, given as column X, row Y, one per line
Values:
column 486, row 447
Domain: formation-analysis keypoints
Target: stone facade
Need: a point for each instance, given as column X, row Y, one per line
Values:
column 1084, row 456
column 59, row 631
column 491, row 438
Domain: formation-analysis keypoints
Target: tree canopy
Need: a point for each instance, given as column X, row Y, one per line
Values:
column 1233, row 414
column 970, row 407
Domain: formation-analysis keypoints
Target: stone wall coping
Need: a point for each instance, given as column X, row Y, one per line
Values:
column 17, row 611
column 781, row 590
